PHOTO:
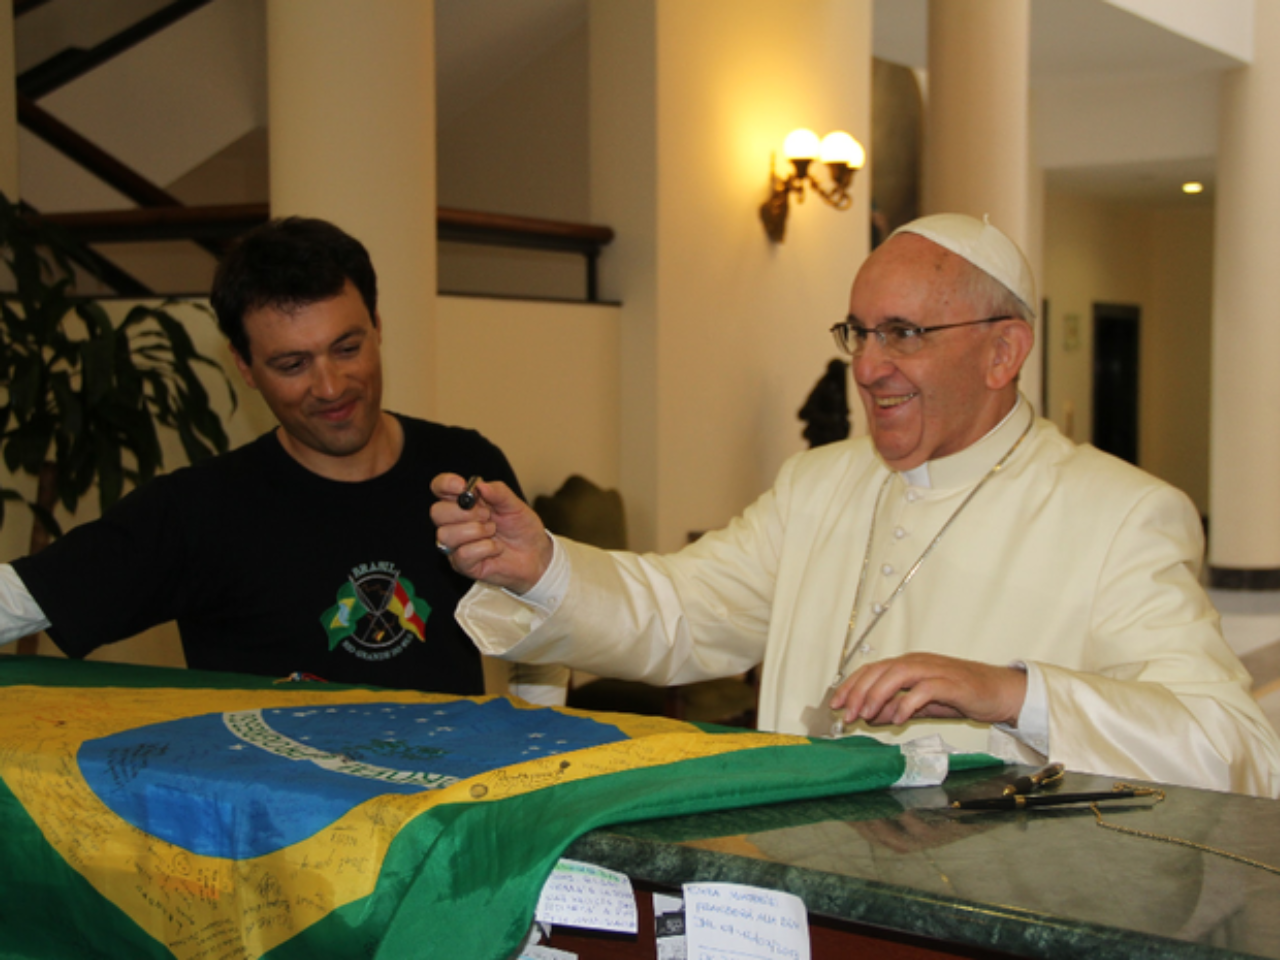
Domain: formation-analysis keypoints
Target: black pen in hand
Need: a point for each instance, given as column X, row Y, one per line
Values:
column 467, row 498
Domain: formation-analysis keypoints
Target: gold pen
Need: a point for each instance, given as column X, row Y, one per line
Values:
column 1050, row 776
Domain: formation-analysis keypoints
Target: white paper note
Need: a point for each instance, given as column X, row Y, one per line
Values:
column 729, row 921
column 584, row 895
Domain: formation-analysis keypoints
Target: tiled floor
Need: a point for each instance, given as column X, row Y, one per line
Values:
column 1251, row 624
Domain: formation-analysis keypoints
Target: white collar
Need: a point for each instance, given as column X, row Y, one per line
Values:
column 973, row 461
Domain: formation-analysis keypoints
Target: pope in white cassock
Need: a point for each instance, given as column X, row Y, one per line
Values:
column 965, row 570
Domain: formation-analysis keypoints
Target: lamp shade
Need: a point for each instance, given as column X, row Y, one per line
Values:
column 839, row 147
column 800, row 144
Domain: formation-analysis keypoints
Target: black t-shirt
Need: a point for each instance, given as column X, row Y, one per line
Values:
column 270, row 569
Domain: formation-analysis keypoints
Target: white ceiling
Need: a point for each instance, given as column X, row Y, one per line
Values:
column 1123, row 109
column 1070, row 39
column 1090, row 62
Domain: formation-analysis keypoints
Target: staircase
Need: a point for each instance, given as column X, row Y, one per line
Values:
column 142, row 105
column 143, row 131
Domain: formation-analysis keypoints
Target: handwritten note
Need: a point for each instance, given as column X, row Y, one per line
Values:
column 728, row 921
column 584, row 895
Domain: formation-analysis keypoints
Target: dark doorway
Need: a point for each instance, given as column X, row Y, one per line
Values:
column 1115, row 379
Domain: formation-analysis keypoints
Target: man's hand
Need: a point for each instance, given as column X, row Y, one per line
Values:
column 928, row 685
column 499, row 541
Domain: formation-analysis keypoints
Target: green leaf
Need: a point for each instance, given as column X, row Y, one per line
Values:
column 85, row 393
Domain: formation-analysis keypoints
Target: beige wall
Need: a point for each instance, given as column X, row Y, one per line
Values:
column 724, row 333
column 1157, row 258
column 538, row 379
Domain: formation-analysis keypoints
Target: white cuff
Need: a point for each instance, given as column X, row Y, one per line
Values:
column 548, row 593
column 1033, row 719
column 20, row 615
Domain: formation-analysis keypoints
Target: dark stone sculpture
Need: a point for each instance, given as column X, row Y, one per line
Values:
column 826, row 411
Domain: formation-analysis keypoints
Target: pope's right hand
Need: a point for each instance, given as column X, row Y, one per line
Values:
column 499, row 541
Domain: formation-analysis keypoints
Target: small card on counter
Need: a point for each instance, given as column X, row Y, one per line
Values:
column 583, row 895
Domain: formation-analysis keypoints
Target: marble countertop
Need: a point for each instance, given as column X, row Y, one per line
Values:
column 1046, row 883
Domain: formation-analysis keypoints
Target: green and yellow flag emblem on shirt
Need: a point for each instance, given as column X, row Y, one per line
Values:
column 171, row 814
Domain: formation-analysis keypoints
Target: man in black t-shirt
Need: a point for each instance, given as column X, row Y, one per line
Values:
column 308, row 551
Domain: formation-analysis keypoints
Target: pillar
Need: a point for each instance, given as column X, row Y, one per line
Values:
column 1244, row 502
column 977, row 144
column 351, row 100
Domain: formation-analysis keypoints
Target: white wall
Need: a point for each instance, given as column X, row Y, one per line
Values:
column 1223, row 25
column 1109, row 120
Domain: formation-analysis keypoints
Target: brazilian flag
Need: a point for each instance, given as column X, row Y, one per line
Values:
column 154, row 814
column 340, row 620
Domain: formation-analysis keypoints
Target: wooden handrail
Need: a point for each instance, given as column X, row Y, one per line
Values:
column 92, row 157
column 222, row 222
column 473, row 222
column 214, row 224
column 502, row 230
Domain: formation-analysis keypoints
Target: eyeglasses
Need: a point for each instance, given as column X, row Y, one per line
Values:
column 896, row 337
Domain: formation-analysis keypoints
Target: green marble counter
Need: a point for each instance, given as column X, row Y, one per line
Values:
column 1040, row 883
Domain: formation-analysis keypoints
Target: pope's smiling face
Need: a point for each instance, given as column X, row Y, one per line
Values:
column 960, row 384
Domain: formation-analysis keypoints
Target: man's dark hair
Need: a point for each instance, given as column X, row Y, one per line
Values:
column 287, row 264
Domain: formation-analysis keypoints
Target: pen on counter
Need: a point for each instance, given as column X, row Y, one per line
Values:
column 1050, row 776
column 1021, row 801
column 467, row 498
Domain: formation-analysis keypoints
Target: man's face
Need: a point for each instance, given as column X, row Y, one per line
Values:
column 943, row 398
column 319, row 368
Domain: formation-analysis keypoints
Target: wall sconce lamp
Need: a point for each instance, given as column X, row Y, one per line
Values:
column 843, row 156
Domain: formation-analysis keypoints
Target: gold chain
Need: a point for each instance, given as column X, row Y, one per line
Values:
column 1179, row 841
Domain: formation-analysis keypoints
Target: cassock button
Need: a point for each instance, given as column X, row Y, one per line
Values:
column 912, row 495
column 887, row 569
column 877, row 608
column 899, row 533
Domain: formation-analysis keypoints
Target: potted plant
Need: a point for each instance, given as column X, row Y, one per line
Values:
column 81, row 398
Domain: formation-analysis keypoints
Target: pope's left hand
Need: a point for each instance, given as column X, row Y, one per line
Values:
column 914, row 685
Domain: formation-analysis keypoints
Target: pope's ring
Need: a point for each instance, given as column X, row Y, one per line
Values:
column 443, row 549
